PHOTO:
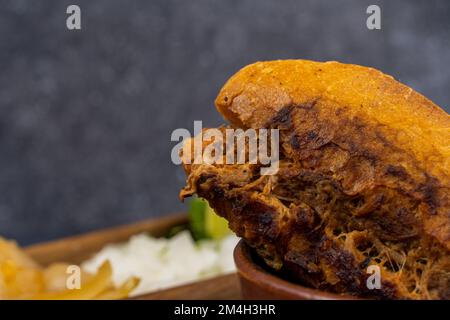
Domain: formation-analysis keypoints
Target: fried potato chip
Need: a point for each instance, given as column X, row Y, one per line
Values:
column 121, row 292
column 23, row 278
column 92, row 288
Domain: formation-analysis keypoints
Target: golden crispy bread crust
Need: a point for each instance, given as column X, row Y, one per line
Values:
column 384, row 134
column 363, row 179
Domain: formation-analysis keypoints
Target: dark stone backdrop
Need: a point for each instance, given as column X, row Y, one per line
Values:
column 86, row 116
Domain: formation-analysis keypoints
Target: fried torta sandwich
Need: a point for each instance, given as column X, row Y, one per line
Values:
column 363, row 179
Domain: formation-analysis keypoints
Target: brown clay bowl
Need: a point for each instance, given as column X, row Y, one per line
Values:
column 259, row 284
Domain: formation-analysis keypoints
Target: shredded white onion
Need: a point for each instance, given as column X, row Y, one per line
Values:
column 162, row 263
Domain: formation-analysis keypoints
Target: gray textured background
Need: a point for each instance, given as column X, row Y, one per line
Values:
column 86, row 116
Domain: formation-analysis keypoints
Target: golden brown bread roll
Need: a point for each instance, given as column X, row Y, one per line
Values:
column 363, row 180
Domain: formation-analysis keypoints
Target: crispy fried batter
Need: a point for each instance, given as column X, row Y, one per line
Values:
column 364, row 178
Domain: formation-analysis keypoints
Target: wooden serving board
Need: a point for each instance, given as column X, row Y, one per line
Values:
column 77, row 249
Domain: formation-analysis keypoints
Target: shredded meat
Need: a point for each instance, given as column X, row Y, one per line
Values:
column 306, row 228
